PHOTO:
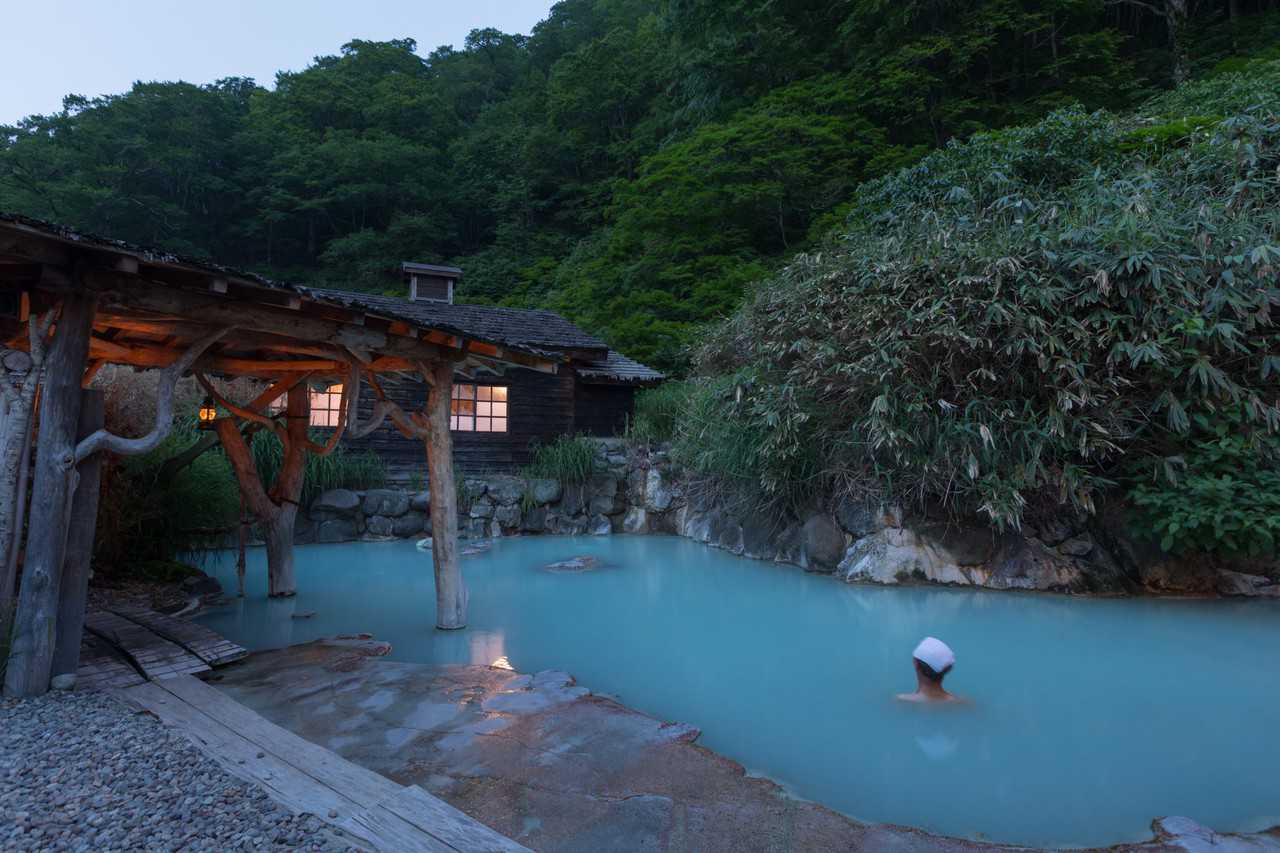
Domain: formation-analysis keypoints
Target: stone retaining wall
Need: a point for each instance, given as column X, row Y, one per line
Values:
column 638, row 491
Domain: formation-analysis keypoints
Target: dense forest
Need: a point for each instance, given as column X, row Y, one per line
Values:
column 635, row 164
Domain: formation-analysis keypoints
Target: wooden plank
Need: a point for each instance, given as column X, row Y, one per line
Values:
column 359, row 784
column 102, row 668
column 452, row 826
column 206, row 644
column 389, row 817
column 151, row 653
column 393, row 833
column 287, row 785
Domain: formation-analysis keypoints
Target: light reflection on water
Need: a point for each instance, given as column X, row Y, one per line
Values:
column 1089, row 718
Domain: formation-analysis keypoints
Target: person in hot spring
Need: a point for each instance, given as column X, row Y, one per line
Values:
column 933, row 659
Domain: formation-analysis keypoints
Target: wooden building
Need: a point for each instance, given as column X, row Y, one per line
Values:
column 498, row 419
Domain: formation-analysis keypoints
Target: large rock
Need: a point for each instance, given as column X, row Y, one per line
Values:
column 964, row 543
column 545, row 491
column 1238, row 583
column 599, row 525
column 857, row 518
column 823, row 543
column 602, row 485
column 337, row 530
column 1077, row 546
column 473, row 489
column 658, row 493
column 1168, row 573
column 481, row 509
column 1029, row 564
column 379, row 526
column 636, row 481
column 565, row 526
column 337, row 502
column 420, row 501
column 388, row 502
column 506, row 490
column 507, row 516
column 636, row 521
column 535, row 520
column 604, row 505
column 572, row 501
column 409, row 524
column 897, row 555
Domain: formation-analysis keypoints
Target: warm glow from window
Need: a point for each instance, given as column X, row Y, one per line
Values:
column 326, row 406
column 478, row 408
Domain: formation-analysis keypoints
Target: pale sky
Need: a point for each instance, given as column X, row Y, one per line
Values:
column 50, row 48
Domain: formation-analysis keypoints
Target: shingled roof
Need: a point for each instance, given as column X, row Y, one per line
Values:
column 616, row 367
column 515, row 327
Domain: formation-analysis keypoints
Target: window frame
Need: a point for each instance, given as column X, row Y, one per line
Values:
column 479, row 409
column 332, row 394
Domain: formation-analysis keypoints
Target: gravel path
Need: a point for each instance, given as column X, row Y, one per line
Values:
column 84, row 771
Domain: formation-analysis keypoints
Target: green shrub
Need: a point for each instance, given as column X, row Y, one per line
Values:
column 569, row 459
column 1158, row 139
column 1019, row 318
column 658, row 412
column 143, row 519
column 1221, row 494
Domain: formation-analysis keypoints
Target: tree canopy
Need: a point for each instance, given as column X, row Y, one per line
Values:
column 635, row 164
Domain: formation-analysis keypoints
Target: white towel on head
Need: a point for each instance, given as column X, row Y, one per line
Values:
column 935, row 653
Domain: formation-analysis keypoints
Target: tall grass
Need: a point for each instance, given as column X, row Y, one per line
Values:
column 341, row 469
column 569, row 459
column 658, row 412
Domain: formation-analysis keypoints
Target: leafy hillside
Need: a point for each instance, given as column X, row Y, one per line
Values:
column 1038, row 316
column 633, row 163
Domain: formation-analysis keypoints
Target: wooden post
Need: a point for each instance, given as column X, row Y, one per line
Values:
column 279, row 510
column 451, row 592
column 9, row 572
column 74, row 593
column 31, row 656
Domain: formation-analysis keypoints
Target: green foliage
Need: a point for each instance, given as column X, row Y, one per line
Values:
column 1158, row 139
column 144, row 520
column 1004, row 324
column 569, row 459
column 636, row 164
column 341, row 469
column 1221, row 494
column 658, row 411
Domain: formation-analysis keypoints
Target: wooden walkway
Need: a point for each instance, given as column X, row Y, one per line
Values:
column 124, row 647
column 363, row 808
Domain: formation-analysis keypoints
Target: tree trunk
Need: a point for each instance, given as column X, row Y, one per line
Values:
column 451, row 592
column 31, row 656
column 13, row 510
column 277, row 515
column 1175, row 17
column 278, row 534
column 75, row 564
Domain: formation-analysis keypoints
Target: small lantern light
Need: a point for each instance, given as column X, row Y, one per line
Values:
column 208, row 413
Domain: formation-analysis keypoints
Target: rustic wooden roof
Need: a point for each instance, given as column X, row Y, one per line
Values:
column 616, row 367
column 516, row 327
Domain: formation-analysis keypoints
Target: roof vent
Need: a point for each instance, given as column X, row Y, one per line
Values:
column 429, row 282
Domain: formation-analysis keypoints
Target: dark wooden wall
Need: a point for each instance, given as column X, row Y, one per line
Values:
column 602, row 409
column 540, row 409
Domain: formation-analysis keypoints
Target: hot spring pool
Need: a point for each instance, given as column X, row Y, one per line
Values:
column 1089, row 718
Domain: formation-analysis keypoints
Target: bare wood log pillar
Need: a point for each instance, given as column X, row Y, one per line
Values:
column 31, row 656
column 451, row 592
column 74, row 593
column 277, row 516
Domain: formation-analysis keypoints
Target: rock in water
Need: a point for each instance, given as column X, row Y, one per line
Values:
column 574, row 565
column 424, row 544
column 66, row 681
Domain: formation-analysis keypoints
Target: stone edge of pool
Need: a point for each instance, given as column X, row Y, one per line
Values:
column 543, row 760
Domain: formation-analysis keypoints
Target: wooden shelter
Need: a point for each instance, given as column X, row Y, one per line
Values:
column 77, row 302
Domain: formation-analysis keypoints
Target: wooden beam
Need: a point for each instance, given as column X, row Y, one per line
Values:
column 247, row 315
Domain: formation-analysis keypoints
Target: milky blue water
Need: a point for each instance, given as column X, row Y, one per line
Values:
column 1088, row 717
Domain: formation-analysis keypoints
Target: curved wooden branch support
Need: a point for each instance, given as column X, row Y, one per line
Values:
column 382, row 409
column 106, row 440
column 238, row 411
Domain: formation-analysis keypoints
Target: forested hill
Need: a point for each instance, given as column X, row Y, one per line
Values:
column 631, row 163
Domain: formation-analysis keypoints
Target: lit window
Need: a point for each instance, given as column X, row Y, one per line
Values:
column 478, row 408
column 326, row 406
